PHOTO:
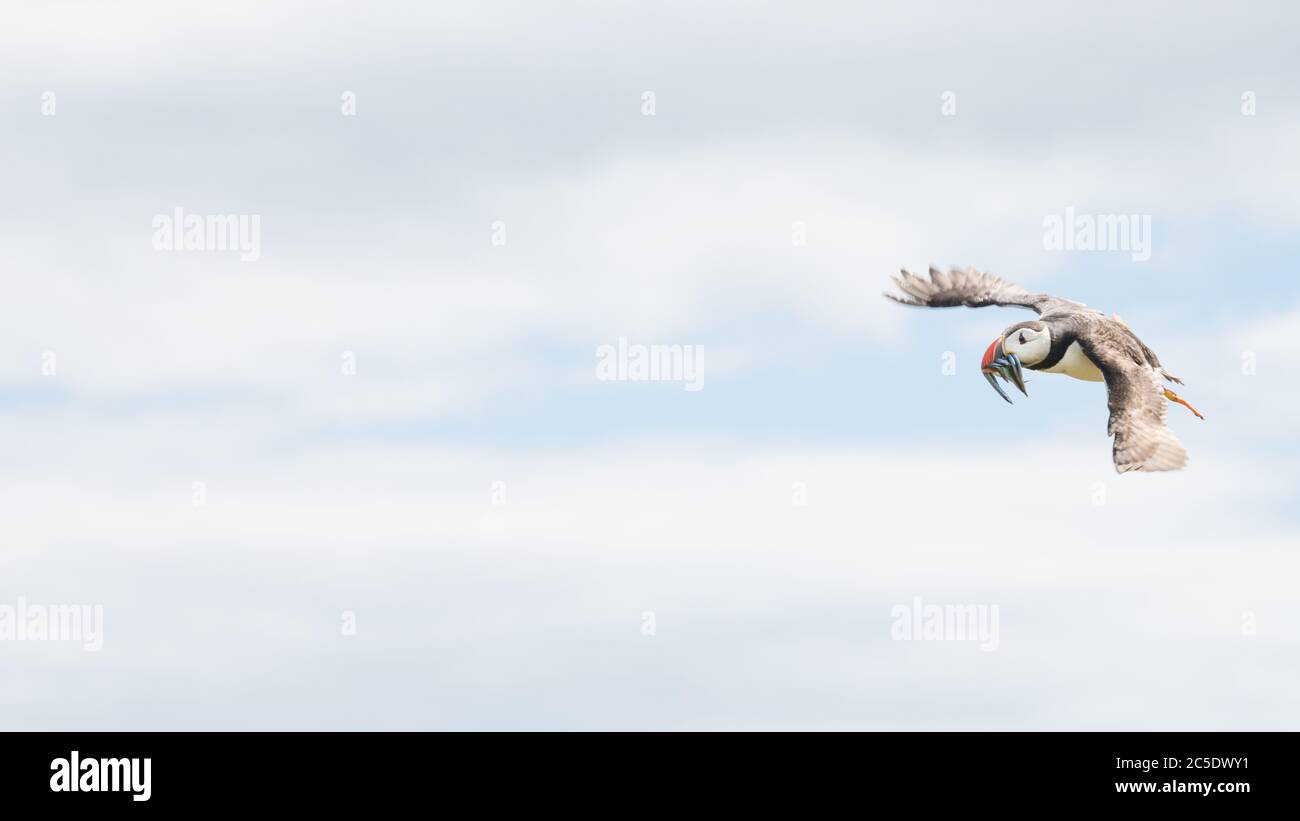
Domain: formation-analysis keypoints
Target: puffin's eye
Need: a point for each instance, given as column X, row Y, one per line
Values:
column 1022, row 337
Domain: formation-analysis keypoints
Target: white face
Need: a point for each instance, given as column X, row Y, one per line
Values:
column 1029, row 346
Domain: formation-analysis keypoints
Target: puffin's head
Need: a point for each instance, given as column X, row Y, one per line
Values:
column 1025, row 344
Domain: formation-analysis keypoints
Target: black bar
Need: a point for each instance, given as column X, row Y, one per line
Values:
column 332, row 770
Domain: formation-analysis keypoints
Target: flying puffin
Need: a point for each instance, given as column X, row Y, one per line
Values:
column 1073, row 339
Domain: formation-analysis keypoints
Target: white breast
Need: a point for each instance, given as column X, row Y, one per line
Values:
column 1077, row 364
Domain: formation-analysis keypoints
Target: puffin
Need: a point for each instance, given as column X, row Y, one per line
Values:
column 1072, row 339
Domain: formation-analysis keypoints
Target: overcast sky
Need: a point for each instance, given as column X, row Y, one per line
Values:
column 394, row 415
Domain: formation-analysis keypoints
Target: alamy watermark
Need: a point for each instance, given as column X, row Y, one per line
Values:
column 1098, row 232
column 179, row 231
column 950, row 622
column 53, row 622
column 77, row 774
column 626, row 362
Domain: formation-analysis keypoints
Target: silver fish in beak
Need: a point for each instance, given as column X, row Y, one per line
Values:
column 997, row 363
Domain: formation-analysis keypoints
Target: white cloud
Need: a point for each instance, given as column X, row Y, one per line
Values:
column 704, row 534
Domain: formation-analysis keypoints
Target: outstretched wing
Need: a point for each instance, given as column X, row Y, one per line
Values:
column 1135, row 396
column 973, row 289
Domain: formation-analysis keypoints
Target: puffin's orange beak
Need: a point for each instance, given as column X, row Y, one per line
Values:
column 996, row 363
column 994, row 350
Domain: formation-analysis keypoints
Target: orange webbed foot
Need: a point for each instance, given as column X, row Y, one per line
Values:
column 1173, row 397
